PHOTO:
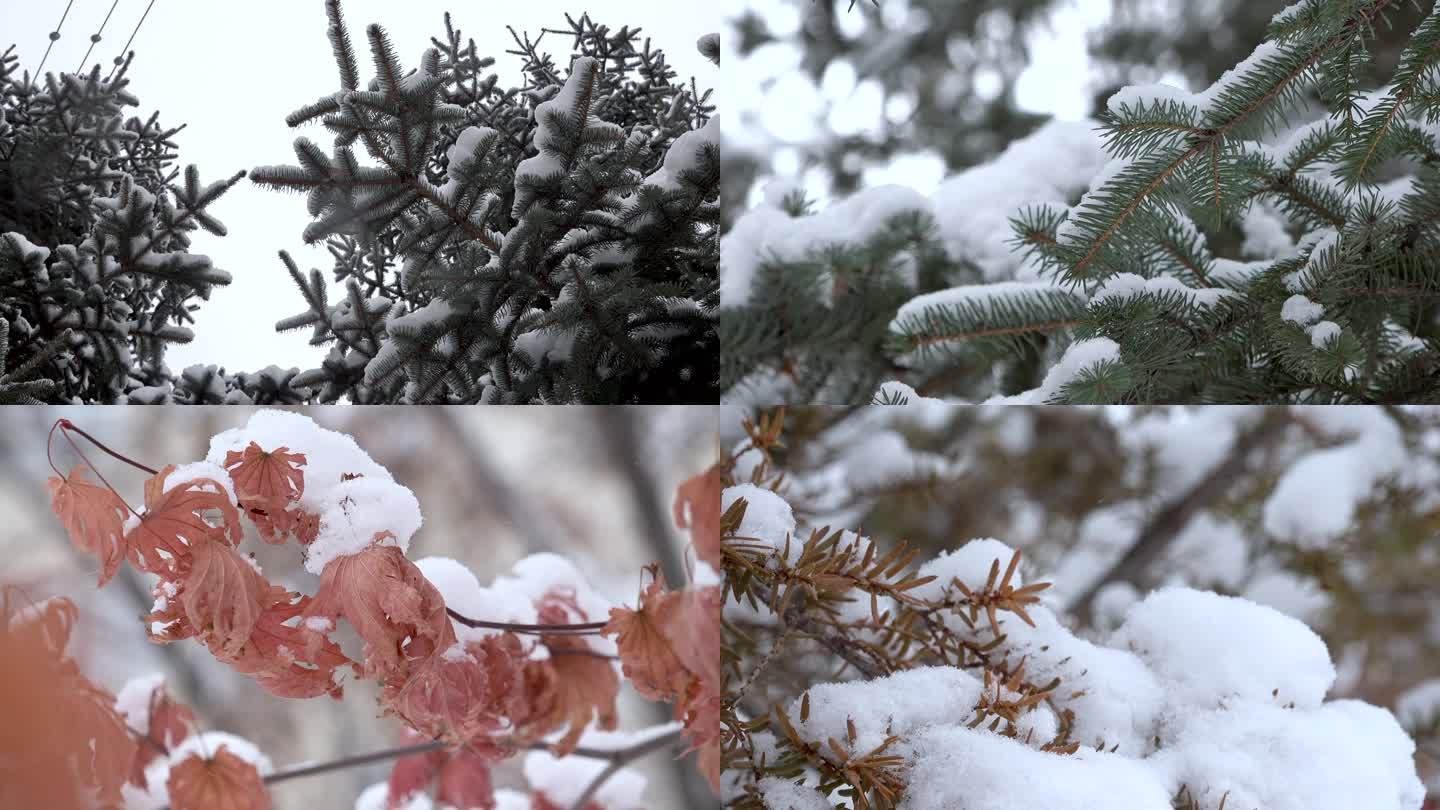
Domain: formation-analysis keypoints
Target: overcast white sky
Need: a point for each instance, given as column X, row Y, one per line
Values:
column 232, row 71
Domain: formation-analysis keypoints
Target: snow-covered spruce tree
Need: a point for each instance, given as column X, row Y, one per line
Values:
column 556, row 242
column 1274, row 238
column 864, row 672
column 96, row 277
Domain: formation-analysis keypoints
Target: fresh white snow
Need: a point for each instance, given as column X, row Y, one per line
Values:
column 185, row 473
column 358, row 514
column 1079, row 356
column 768, row 517
column 352, row 512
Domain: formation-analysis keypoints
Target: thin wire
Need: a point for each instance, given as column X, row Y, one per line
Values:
column 58, row 26
column 96, row 38
column 126, row 49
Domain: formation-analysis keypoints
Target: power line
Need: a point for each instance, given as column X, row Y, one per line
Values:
column 54, row 35
column 120, row 59
column 95, row 37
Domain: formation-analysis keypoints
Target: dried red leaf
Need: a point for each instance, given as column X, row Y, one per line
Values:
column 222, row 782
column 467, row 694
column 267, row 484
column 168, row 723
column 222, row 595
column 465, row 779
column 63, row 744
column 575, row 687
column 697, row 507
column 700, row 714
column 459, row 777
column 692, row 626
column 266, row 473
column 43, row 626
column 413, row 773
column 95, row 730
column 670, row 650
column 176, row 519
column 94, row 517
column 642, row 637
column 397, row 612
column 169, row 614
column 290, row 661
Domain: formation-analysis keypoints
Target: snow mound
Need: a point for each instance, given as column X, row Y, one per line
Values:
column 355, row 498
column 970, row 564
column 768, row 518
column 358, row 514
column 1210, row 650
column 959, row 767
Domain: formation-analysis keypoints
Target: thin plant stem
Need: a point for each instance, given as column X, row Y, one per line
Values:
column 583, row 629
column 66, row 426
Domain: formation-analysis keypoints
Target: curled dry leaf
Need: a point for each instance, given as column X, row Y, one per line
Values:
column 575, row 686
column 222, row 594
column 290, row 661
column 464, row 781
column 94, row 517
column 62, row 744
column 397, row 612
column 167, row 723
column 458, row 778
column 44, row 626
column 693, row 627
column 647, row 654
column 697, row 507
column 466, row 694
column 670, row 650
column 413, row 773
column 176, row 519
column 222, row 782
column 700, row 714
column 267, row 483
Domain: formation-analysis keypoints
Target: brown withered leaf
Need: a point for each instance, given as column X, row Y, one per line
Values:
column 697, row 507
column 94, row 517
column 222, row 782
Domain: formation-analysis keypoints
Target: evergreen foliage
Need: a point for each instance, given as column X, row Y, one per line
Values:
column 1124, row 296
column 96, row 277
column 855, row 596
column 556, row 242
column 950, row 73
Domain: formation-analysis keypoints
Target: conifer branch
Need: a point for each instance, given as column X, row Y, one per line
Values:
column 1354, row 24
